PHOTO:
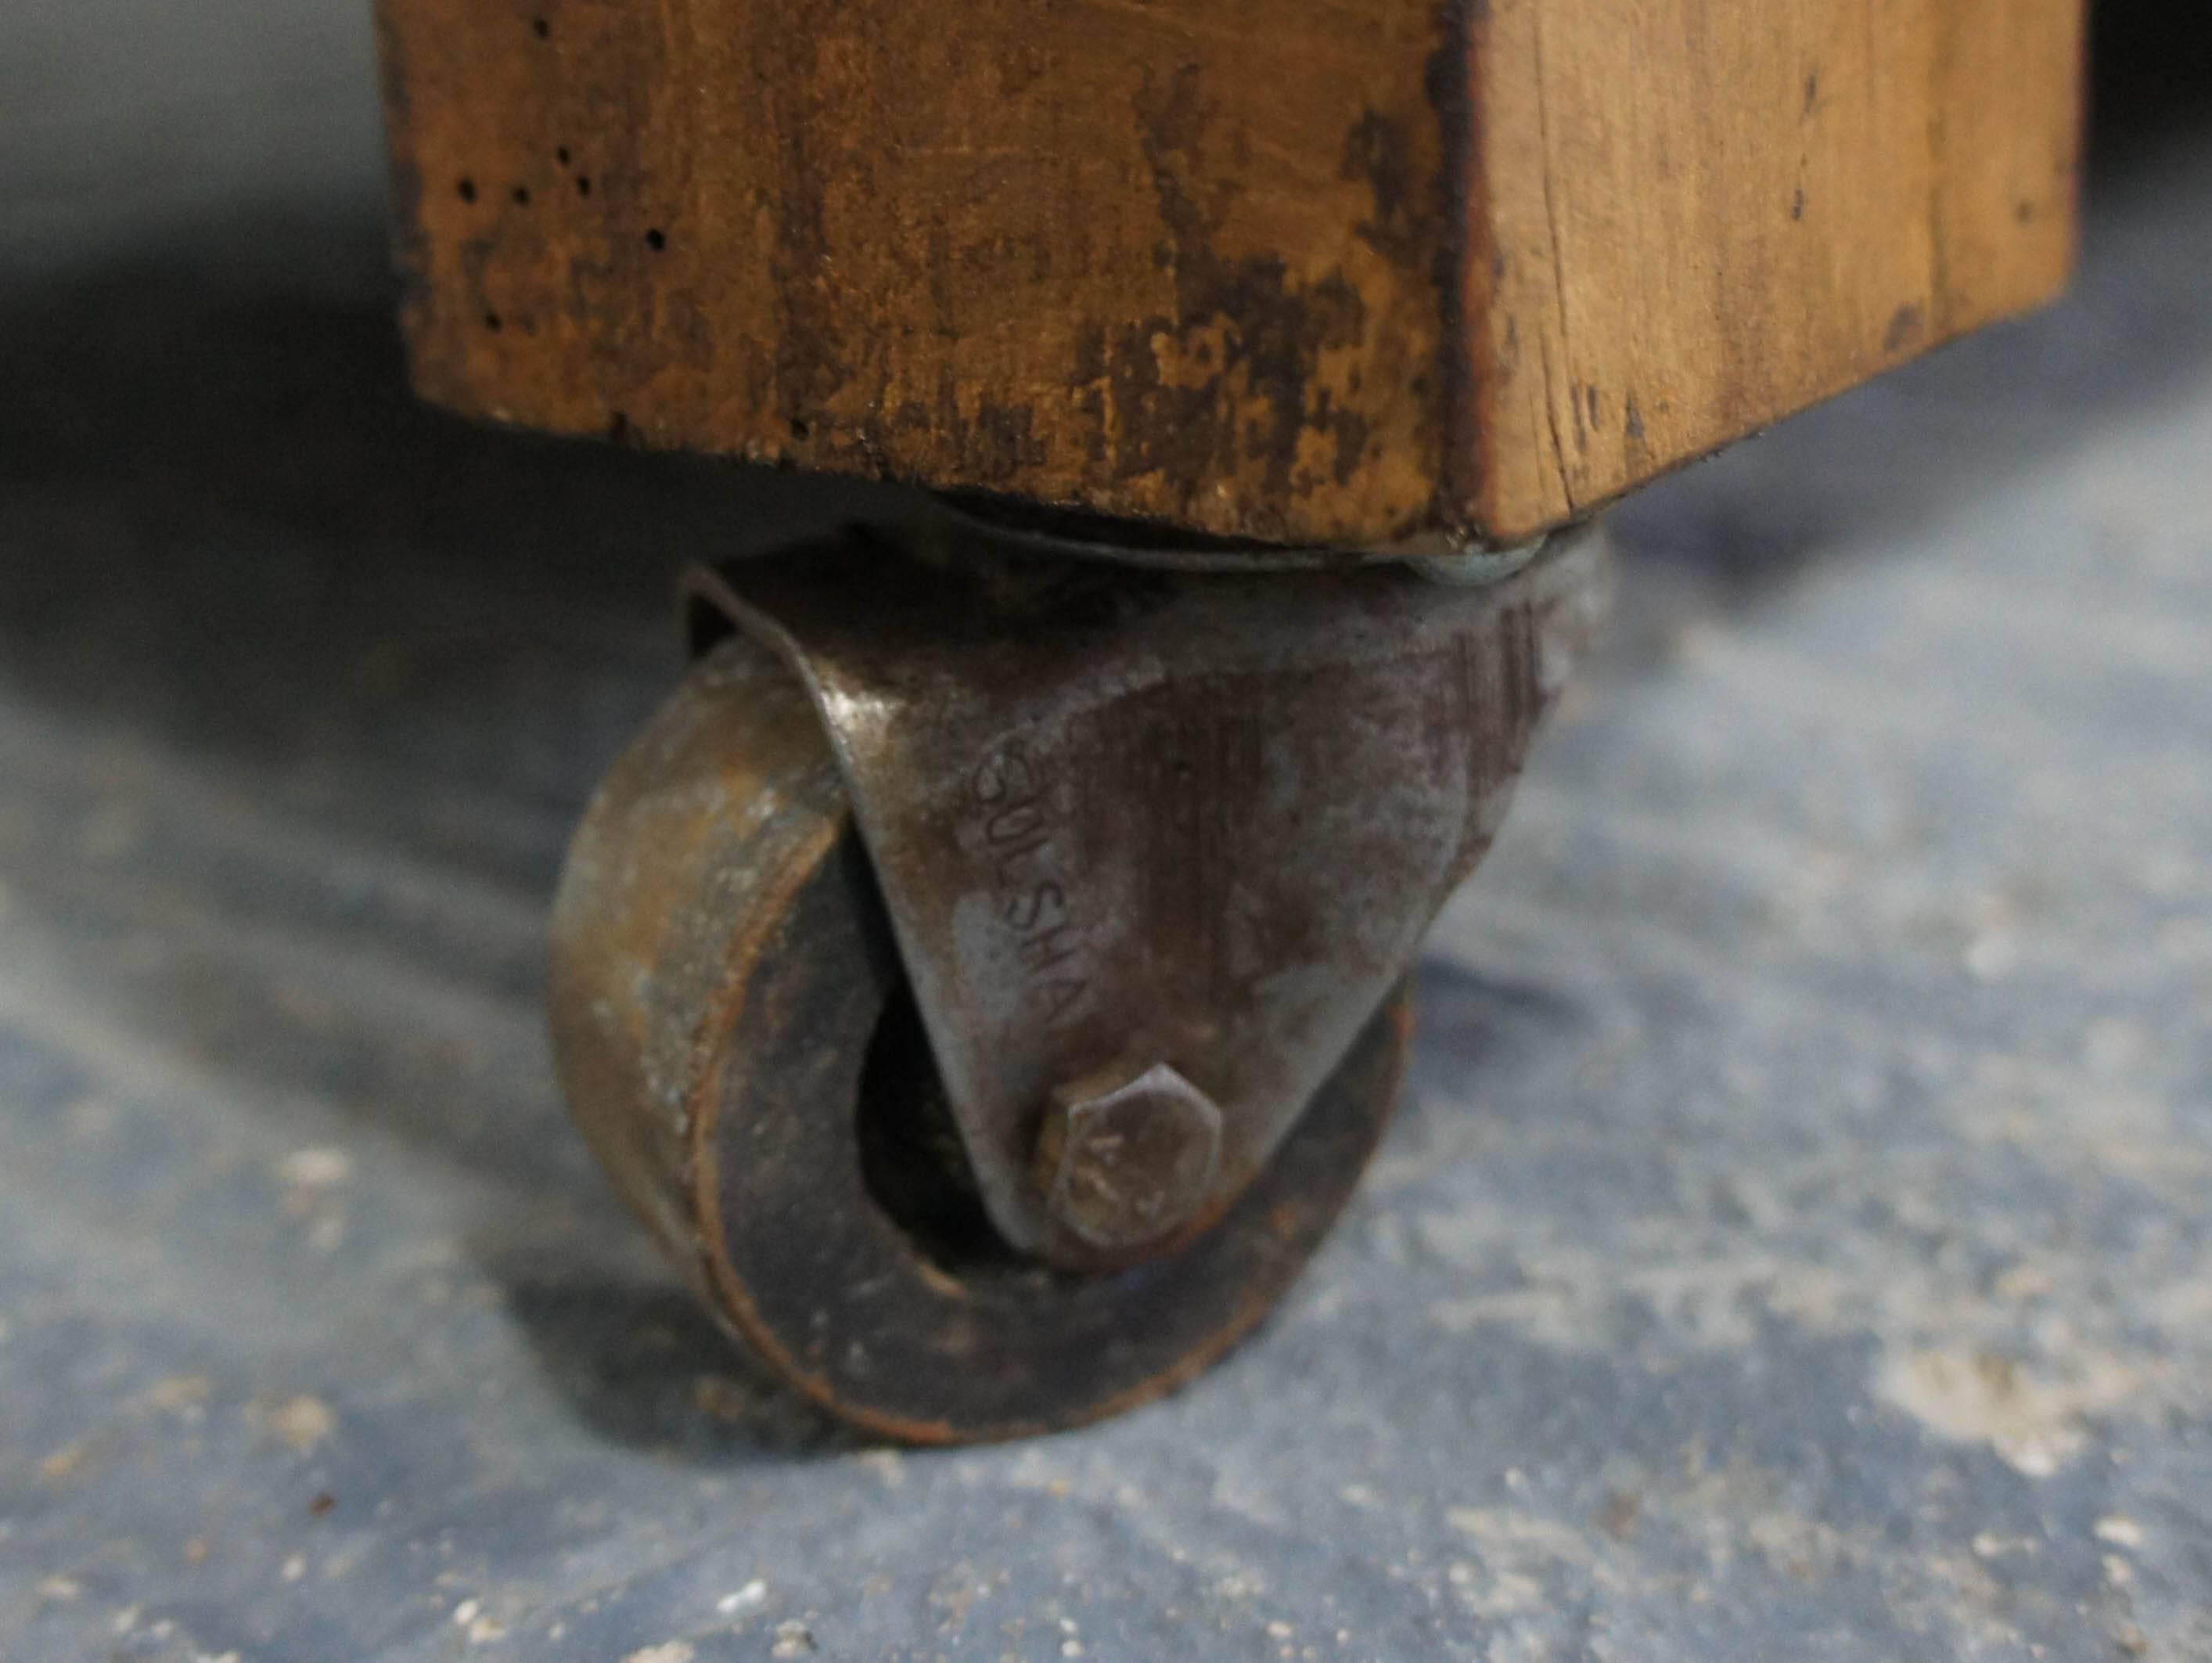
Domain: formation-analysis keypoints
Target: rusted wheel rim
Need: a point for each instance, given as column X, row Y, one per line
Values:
column 723, row 976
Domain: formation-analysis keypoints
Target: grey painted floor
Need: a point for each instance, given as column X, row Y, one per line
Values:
column 1795, row 1244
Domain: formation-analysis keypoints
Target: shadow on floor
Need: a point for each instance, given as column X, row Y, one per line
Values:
column 644, row 1367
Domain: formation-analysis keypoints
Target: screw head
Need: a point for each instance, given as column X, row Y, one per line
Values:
column 1127, row 1155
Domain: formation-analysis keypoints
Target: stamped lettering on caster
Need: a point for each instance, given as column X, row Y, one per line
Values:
column 1014, row 826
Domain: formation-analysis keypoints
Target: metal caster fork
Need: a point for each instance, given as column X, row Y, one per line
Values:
column 985, row 973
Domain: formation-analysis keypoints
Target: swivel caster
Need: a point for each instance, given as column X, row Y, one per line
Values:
column 985, row 974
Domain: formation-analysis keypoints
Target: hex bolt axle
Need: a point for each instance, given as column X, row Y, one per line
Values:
column 1127, row 1155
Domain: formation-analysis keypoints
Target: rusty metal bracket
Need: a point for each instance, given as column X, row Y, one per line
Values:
column 1155, row 845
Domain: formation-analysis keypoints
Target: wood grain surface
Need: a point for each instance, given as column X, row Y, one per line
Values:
column 1301, row 271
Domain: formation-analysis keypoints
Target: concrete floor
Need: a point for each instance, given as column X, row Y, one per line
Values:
column 1795, row 1243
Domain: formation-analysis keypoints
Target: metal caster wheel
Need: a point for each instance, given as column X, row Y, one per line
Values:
column 734, row 1028
column 956, row 1168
